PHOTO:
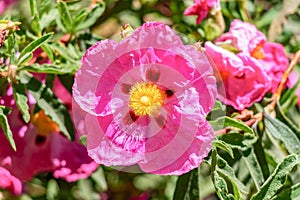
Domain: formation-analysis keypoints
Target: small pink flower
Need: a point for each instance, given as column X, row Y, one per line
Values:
column 201, row 8
column 41, row 148
column 10, row 182
column 293, row 78
column 249, row 41
column 144, row 101
column 244, row 80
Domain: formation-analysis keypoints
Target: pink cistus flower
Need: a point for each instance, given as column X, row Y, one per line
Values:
column 144, row 101
column 201, row 8
column 247, row 40
column 41, row 148
column 241, row 76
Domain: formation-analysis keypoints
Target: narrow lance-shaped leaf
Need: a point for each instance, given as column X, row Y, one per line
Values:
column 221, row 187
column 253, row 167
column 228, row 173
column 49, row 103
column 226, row 121
column 65, row 16
column 282, row 132
column 277, row 179
column 282, row 117
column 5, row 126
column 224, row 146
column 187, row 186
column 52, row 68
column 92, row 16
column 26, row 53
column 291, row 193
column 21, row 100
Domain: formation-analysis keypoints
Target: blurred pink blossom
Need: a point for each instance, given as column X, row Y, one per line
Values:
column 247, row 40
column 4, row 4
column 144, row 101
column 41, row 148
column 10, row 182
column 201, row 8
column 244, row 80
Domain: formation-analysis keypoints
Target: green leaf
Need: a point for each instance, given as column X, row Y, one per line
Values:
column 260, row 152
column 52, row 189
column 65, row 16
column 228, row 173
column 52, row 107
column 289, row 93
column 35, row 23
column 226, row 121
column 291, row 193
column 91, row 17
column 187, row 186
column 48, row 18
column 99, row 178
column 46, row 48
column 237, row 140
column 33, row 7
column 5, row 127
column 52, row 68
column 65, row 53
column 253, row 166
column 277, row 179
column 224, row 146
column 21, row 100
column 282, row 117
column 221, row 187
column 282, row 132
column 26, row 53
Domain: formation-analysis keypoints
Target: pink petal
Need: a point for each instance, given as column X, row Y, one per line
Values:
column 183, row 154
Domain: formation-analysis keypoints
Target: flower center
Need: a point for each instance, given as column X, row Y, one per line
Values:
column 258, row 52
column 43, row 123
column 146, row 98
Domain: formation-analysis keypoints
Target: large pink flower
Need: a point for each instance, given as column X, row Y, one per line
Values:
column 201, row 8
column 242, row 77
column 144, row 101
column 41, row 148
column 251, row 42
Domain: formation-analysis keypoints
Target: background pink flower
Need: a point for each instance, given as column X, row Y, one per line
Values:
column 201, row 8
column 10, row 182
column 244, row 81
column 4, row 4
column 145, row 100
column 41, row 148
column 247, row 40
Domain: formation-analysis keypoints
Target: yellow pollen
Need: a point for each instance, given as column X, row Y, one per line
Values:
column 43, row 123
column 258, row 52
column 146, row 98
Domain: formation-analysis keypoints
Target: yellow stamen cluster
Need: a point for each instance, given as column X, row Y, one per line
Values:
column 43, row 123
column 258, row 52
column 146, row 98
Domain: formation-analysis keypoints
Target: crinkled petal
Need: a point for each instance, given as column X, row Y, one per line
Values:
column 244, row 36
column 104, row 151
column 183, row 154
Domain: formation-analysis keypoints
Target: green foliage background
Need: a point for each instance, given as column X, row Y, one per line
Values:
column 257, row 162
